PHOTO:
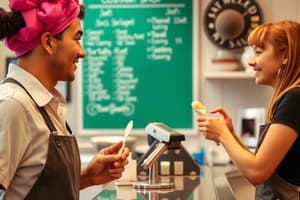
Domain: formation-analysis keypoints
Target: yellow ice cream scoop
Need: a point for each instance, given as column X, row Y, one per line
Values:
column 199, row 107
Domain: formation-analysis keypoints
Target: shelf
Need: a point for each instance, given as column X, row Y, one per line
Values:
column 229, row 75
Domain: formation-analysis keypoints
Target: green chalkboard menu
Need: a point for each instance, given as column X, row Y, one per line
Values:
column 139, row 64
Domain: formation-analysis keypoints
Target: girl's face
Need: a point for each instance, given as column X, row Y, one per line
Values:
column 266, row 64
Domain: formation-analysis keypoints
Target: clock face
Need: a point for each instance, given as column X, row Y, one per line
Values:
column 228, row 23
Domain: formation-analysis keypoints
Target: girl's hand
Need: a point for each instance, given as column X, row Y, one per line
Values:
column 226, row 117
column 214, row 128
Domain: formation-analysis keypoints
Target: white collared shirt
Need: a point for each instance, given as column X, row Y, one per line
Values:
column 23, row 132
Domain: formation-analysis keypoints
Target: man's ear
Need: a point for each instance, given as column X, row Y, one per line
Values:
column 47, row 42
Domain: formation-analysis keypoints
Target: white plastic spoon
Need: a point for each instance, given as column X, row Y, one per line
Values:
column 126, row 133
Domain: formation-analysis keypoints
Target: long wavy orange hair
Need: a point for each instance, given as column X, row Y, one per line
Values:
column 285, row 38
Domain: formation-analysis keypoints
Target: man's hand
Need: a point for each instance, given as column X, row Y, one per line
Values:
column 106, row 166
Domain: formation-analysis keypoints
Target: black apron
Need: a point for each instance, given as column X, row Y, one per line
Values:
column 60, row 178
column 275, row 188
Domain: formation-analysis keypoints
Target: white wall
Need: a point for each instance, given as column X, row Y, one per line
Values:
column 231, row 94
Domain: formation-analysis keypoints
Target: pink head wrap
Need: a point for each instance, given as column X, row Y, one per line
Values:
column 40, row 16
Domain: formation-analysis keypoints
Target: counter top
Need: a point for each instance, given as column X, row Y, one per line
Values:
column 212, row 184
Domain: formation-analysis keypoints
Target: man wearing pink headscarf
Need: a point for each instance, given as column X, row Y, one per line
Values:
column 39, row 157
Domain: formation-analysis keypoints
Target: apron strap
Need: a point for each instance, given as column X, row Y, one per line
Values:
column 41, row 109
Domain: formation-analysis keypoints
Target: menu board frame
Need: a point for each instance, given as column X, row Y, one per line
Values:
column 140, row 130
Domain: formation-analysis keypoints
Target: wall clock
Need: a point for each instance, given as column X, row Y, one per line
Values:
column 228, row 23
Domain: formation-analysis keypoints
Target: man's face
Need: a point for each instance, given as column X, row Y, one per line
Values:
column 68, row 50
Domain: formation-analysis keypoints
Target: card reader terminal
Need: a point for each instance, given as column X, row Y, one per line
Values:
column 163, row 133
